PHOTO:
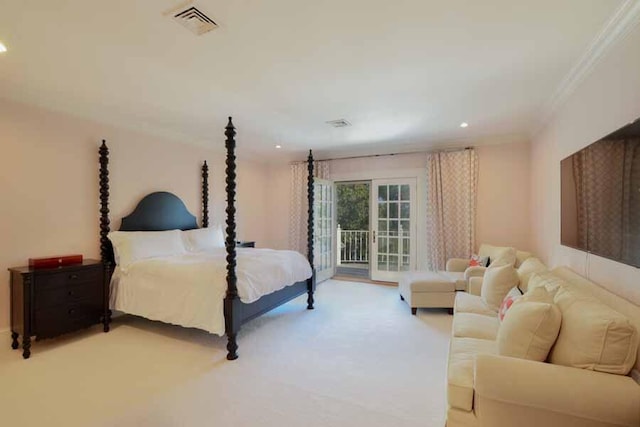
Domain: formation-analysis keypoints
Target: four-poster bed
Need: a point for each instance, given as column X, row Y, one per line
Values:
column 162, row 211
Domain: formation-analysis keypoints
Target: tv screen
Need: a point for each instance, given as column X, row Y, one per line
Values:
column 600, row 197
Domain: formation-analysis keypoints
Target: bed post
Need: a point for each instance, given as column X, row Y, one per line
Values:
column 106, row 250
column 231, row 325
column 310, row 197
column 205, row 195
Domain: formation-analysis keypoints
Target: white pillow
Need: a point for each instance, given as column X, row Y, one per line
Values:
column 497, row 282
column 539, row 294
column 522, row 256
column 506, row 256
column 527, row 268
column 546, row 280
column 131, row 246
column 529, row 330
column 204, row 239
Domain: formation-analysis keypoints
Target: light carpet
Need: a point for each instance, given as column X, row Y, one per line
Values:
column 358, row 359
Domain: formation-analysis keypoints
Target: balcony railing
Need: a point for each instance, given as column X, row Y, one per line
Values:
column 353, row 246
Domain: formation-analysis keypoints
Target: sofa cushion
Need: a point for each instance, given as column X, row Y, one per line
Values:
column 467, row 303
column 507, row 256
column 493, row 252
column 623, row 306
column 497, row 282
column 593, row 335
column 472, row 325
column 522, row 256
column 457, row 277
column 529, row 330
column 547, row 280
column 527, row 268
column 539, row 294
column 462, row 355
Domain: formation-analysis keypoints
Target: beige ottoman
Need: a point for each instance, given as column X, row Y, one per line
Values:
column 427, row 289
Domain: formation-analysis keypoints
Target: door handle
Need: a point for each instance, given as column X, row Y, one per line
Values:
column 374, row 236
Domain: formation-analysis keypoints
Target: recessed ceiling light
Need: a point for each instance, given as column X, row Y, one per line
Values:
column 278, row 146
column 3, row 48
column 464, row 124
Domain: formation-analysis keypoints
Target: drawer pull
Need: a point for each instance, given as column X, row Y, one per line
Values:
column 71, row 311
column 73, row 276
column 71, row 293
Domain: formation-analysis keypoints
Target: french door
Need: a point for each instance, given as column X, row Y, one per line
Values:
column 393, row 234
column 323, row 229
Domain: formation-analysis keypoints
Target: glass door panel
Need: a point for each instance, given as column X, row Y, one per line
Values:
column 323, row 230
column 394, row 237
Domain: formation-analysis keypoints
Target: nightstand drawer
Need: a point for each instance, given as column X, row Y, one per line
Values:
column 59, row 295
column 64, row 318
column 46, row 282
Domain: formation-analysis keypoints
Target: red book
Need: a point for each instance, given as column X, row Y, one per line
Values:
column 55, row 261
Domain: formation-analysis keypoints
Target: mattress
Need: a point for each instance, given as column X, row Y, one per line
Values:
column 189, row 289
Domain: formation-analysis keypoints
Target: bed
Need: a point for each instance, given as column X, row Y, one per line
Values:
column 219, row 289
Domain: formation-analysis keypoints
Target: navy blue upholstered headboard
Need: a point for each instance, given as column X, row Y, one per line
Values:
column 159, row 211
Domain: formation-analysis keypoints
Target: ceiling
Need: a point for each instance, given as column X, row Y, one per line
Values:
column 404, row 73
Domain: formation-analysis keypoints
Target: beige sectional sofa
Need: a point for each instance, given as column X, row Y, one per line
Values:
column 489, row 390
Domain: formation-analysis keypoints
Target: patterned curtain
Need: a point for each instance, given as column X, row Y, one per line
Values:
column 299, row 204
column 631, row 203
column 452, row 182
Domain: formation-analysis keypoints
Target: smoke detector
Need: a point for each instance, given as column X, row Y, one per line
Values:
column 192, row 18
column 340, row 123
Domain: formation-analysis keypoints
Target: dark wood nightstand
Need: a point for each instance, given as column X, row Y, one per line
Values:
column 247, row 244
column 49, row 302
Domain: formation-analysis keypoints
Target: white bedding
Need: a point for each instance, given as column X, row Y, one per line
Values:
column 189, row 289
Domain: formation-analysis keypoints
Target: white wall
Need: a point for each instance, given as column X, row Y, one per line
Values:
column 608, row 99
column 503, row 201
column 49, row 184
column 503, row 210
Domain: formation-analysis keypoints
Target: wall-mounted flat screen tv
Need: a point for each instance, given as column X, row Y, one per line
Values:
column 600, row 197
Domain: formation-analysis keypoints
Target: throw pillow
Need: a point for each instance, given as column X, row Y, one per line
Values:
column 522, row 256
column 478, row 261
column 529, row 330
column 497, row 282
column 538, row 294
column 593, row 335
column 527, row 268
column 514, row 294
column 506, row 256
column 546, row 280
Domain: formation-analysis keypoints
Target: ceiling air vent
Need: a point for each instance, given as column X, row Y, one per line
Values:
column 340, row 123
column 192, row 18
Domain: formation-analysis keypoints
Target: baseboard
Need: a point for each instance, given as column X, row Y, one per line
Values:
column 362, row 280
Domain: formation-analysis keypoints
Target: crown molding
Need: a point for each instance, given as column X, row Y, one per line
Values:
column 621, row 23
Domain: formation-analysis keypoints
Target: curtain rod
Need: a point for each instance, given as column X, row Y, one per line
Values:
column 446, row 150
